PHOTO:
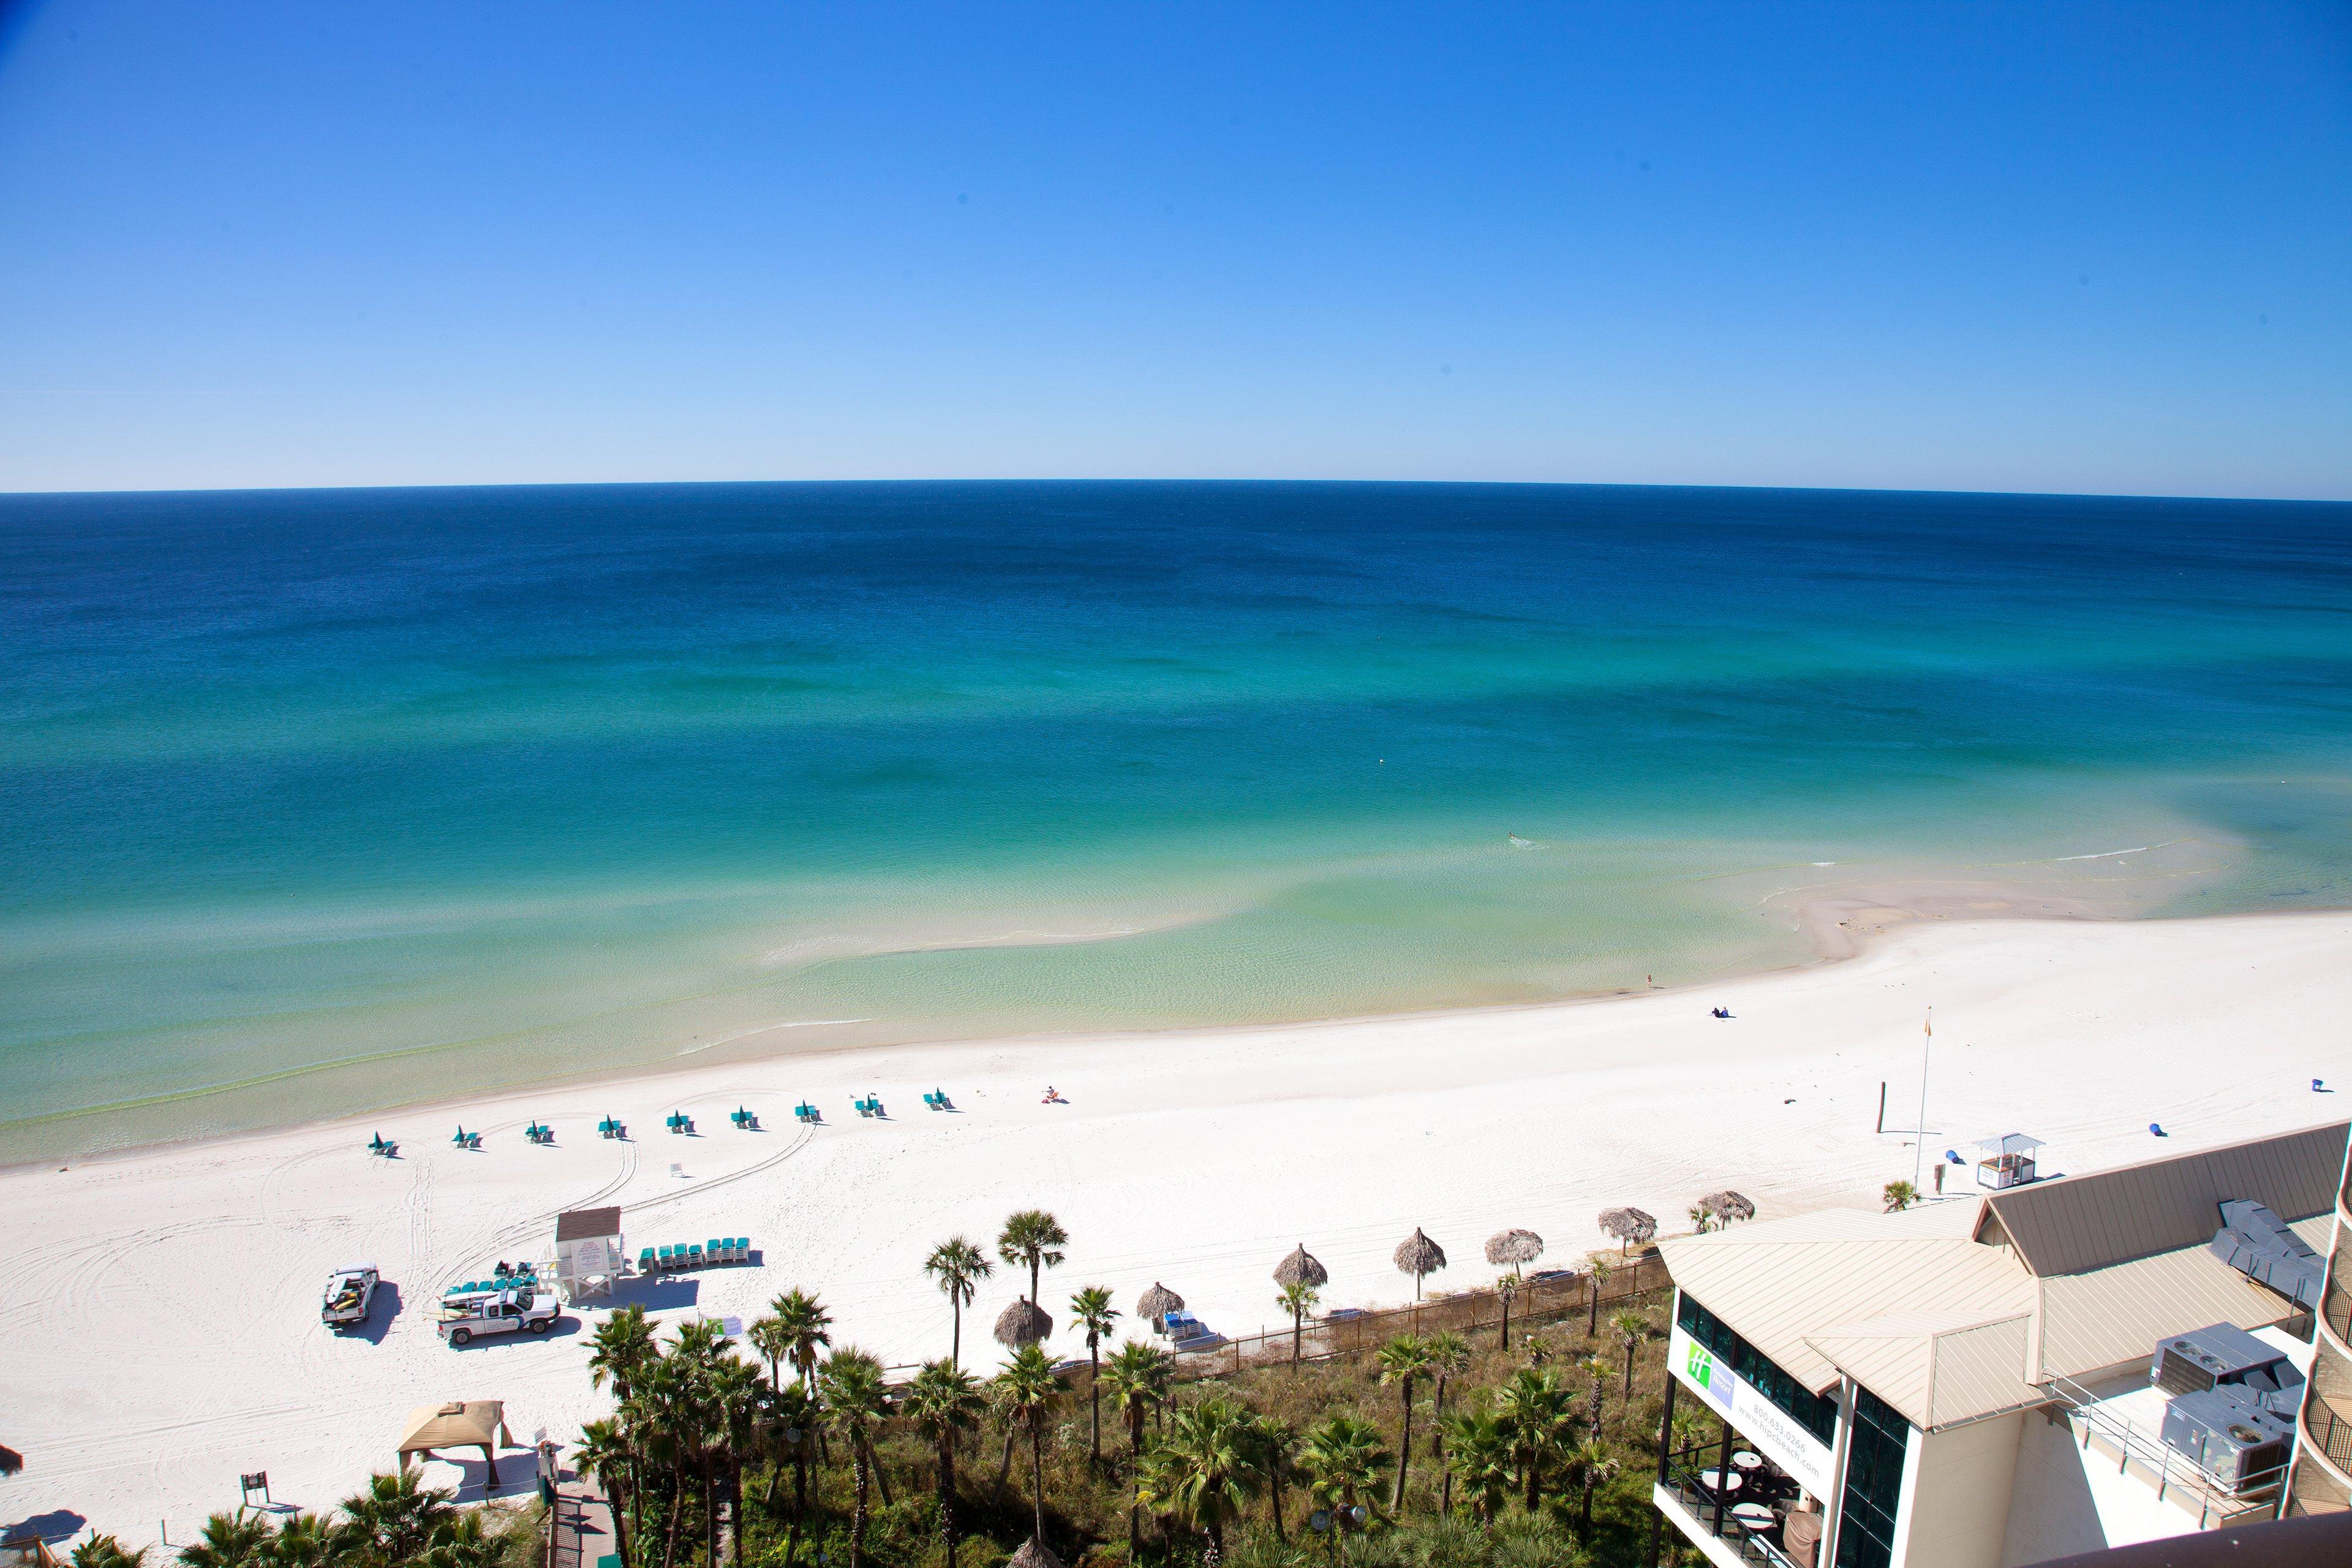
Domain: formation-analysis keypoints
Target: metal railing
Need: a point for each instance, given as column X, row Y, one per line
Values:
column 2218, row 1501
column 2337, row 1310
column 1536, row 1303
column 1713, row 1520
column 2329, row 1432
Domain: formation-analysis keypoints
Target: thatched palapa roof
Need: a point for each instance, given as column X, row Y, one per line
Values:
column 1301, row 1268
column 1727, row 1205
column 1416, row 1253
column 11, row 1461
column 1033, row 1554
column 1629, row 1224
column 1157, row 1301
column 1024, row 1322
column 1513, row 1247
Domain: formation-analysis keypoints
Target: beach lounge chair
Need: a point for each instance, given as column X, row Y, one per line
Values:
column 694, row 1257
column 663, row 1260
column 646, row 1264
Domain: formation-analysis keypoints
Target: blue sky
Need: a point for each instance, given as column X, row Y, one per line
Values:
column 2062, row 247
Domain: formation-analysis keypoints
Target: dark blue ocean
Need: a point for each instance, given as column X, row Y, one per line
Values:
column 316, row 800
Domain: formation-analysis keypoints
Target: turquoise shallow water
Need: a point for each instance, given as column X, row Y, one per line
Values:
column 316, row 800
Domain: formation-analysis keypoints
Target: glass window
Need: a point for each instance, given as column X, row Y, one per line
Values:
column 1758, row 1370
column 1874, row 1482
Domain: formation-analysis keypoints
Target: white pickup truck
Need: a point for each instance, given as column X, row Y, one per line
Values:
column 522, row 1308
column 349, row 1293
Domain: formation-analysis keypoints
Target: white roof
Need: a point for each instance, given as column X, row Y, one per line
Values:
column 1937, row 1311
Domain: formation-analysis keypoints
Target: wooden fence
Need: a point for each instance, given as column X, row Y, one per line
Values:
column 1553, row 1298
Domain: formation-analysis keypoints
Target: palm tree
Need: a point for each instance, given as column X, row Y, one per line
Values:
column 230, row 1541
column 1091, row 1310
column 944, row 1402
column 1631, row 1328
column 1138, row 1375
column 107, row 1552
column 1298, row 1298
column 619, row 1350
column 308, row 1541
column 1505, row 1289
column 856, row 1403
column 1599, row 1278
column 1033, row 1239
column 794, row 1412
column 1207, row 1466
column 1899, row 1195
column 1277, row 1443
column 1595, row 1467
column 1479, row 1452
column 1540, row 1413
column 394, row 1520
column 606, row 1453
column 659, row 1417
column 773, row 1344
column 1449, row 1357
column 1343, row 1457
column 697, row 1359
column 806, row 1325
column 957, row 1267
column 740, row 1408
column 1597, row 1369
column 1029, row 1387
column 1403, row 1361
column 461, row 1543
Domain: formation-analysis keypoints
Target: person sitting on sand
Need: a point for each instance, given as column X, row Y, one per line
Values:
column 1053, row 1096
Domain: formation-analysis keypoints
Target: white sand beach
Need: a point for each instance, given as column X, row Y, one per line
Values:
column 160, row 1309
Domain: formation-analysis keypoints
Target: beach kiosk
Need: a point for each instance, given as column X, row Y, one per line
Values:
column 588, row 1252
column 458, row 1423
column 2007, row 1161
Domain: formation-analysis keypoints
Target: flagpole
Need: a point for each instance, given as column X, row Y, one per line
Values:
column 1919, row 1148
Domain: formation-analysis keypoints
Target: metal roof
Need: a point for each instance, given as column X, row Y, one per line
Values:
column 1952, row 1311
column 2075, row 1223
column 582, row 1225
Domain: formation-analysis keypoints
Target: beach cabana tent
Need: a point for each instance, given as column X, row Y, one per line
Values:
column 459, row 1423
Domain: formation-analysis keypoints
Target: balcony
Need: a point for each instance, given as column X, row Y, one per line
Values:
column 2329, row 1431
column 1742, row 1523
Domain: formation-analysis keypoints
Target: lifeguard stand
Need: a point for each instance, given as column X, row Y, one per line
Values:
column 588, row 1252
column 2007, row 1161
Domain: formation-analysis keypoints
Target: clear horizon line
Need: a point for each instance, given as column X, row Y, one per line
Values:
column 1178, row 479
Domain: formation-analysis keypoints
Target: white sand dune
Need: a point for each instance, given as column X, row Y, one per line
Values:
column 160, row 1309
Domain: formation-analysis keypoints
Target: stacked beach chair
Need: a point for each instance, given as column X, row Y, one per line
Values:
column 671, row 1259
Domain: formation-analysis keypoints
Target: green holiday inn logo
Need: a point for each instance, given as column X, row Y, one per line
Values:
column 1700, row 1366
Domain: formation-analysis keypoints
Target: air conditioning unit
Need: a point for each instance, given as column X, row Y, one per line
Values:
column 2227, row 1435
column 2211, row 1357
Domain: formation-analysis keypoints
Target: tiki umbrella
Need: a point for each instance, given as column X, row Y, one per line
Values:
column 1417, row 1254
column 11, row 1461
column 1513, row 1247
column 1157, row 1301
column 1302, row 1267
column 1022, row 1322
column 1033, row 1554
column 1628, row 1225
column 1728, row 1205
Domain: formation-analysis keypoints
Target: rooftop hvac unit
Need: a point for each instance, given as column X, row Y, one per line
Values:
column 2208, row 1357
column 2228, row 1435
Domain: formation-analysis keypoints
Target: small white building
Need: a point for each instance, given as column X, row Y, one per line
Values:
column 1969, row 1384
column 589, row 1252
